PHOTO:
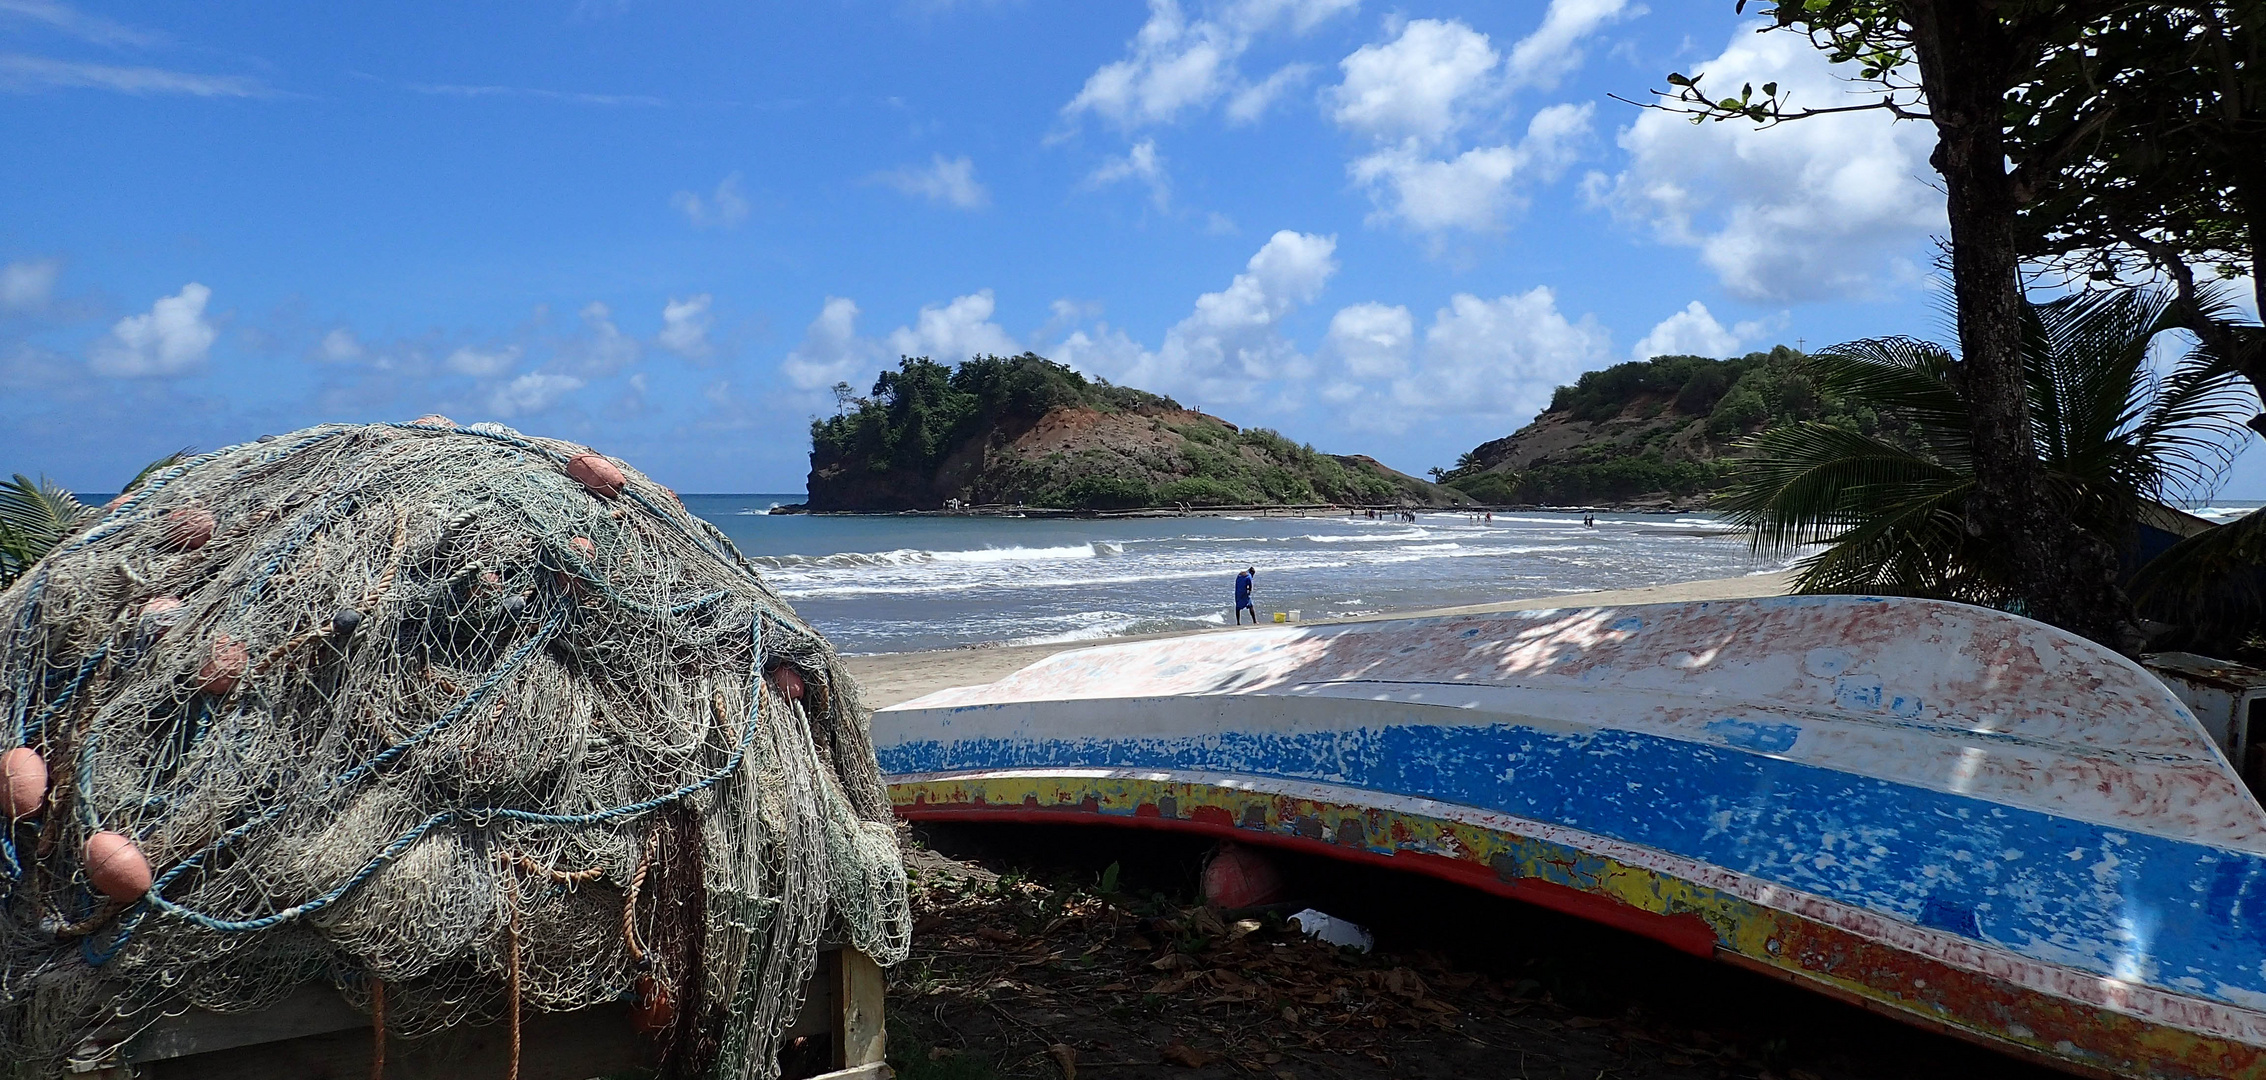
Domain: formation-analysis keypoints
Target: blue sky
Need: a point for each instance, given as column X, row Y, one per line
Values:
column 666, row 228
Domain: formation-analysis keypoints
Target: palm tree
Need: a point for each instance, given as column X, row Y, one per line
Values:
column 1887, row 513
column 36, row 516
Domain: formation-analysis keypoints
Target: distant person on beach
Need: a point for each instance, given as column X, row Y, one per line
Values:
column 1243, row 596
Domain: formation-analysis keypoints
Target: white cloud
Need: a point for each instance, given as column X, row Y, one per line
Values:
column 1473, row 190
column 340, row 346
column 950, row 181
column 24, row 74
column 89, row 28
column 1247, row 105
column 1831, row 206
column 1418, row 86
column 1468, row 191
column 1417, row 96
column 1554, row 137
column 684, row 326
column 484, row 363
column 722, row 209
column 570, row 97
column 1693, row 332
column 1553, row 51
column 601, row 348
column 533, row 392
column 172, row 338
column 954, row 332
column 1233, row 340
column 1372, row 340
column 1175, row 64
column 1501, row 357
column 831, row 350
column 27, row 285
column 1141, row 162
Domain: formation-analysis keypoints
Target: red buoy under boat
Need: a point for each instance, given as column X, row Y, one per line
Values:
column 187, row 528
column 116, row 866
column 224, row 668
column 23, row 783
column 593, row 471
column 1240, row 877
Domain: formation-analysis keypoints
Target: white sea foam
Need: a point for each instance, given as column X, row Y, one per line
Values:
column 885, row 584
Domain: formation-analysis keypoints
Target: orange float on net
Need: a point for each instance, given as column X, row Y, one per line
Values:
column 116, row 866
column 158, row 614
column 585, row 545
column 224, row 668
column 595, row 472
column 23, row 783
column 789, row 681
column 189, row 527
column 433, row 420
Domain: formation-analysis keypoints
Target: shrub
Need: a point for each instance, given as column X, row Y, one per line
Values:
column 1205, row 491
column 1105, row 493
column 1488, row 487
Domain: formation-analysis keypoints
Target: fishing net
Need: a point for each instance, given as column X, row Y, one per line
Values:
column 411, row 710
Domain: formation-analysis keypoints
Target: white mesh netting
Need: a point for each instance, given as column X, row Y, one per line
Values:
column 410, row 710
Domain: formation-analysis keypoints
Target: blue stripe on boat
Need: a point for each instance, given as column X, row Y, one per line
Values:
column 2124, row 905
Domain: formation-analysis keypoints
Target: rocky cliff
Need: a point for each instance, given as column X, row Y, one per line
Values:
column 1026, row 431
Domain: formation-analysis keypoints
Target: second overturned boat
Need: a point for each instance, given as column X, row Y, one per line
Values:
column 1972, row 821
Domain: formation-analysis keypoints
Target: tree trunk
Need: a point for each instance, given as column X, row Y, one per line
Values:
column 2247, row 350
column 2059, row 572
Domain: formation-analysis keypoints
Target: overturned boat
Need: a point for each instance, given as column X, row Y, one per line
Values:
column 1968, row 820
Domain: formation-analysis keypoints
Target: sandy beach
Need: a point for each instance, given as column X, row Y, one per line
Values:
column 890, row 678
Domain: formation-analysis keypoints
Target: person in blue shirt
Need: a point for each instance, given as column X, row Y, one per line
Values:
column 1243, row 596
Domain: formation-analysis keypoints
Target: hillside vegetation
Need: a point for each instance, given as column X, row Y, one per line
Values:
column 1023, row 430
column 1666, row 430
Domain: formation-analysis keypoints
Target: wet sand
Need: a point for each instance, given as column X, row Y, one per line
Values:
column 890, row 678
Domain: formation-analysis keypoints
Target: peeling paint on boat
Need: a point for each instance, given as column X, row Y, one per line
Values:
column 1969, row 819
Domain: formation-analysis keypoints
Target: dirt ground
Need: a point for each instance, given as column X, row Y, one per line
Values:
column 1061, row 953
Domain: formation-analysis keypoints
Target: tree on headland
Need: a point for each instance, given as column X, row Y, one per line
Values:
column 1968, row 67
column 1892, row 517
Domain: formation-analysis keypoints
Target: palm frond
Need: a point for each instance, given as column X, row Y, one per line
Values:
column 34, row 517
column 1890, row 516
column 2219, row 566
column 41, row 510
column 1906, row 376
column 160, row 465
column 1809, row 483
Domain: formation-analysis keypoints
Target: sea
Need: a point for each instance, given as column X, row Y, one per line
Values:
column 896, row 583
column 889, row 583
